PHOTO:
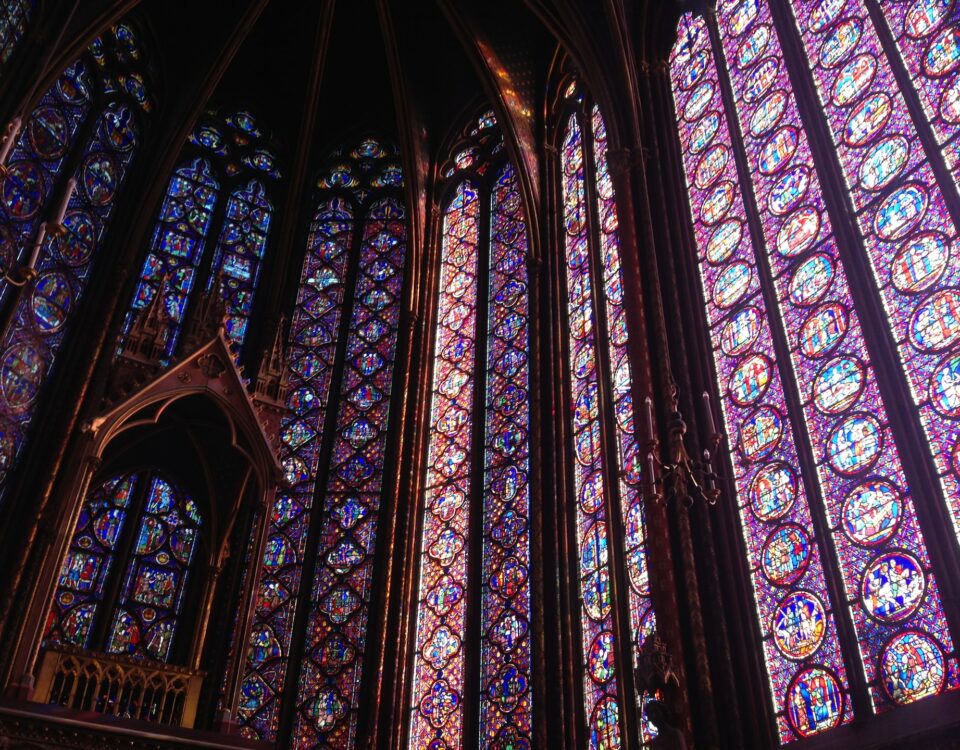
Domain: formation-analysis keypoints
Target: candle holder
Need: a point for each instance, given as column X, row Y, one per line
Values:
column 682, row 476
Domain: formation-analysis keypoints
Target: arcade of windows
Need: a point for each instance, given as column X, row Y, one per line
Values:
column 821, row 189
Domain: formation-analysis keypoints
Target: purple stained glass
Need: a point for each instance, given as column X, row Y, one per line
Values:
column 927, row 35
column 29, row 347
column 505, row 683
column 177, row 246
column 311, row 347
column 643, row 620
column 845, row 415
column 88, row 561
column 795, row 614
column 439, row 661
column 601, row 692
column 330, row 677
column 907, row 233
column 239, row 255
column 144, row 622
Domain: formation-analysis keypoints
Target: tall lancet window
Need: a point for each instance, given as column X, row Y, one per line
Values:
column 68, row 164
column 476, row 520
column 598, row 363
column 342, row 343
column 223, row 185
column 847, row 581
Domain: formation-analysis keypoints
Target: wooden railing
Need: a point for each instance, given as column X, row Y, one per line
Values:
column 118, row 686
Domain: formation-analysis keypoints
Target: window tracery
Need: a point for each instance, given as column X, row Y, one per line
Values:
column 903, row 643
column 86, row 128
column 350, row 292
column 226, row 153
column 477, row 420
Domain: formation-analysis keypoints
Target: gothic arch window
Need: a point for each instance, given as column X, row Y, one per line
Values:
column 845, row 586
column 605, row 456
column 223, row 184
column 478, row 457
column 84, row 133
column 127, row 571
column 343, row 340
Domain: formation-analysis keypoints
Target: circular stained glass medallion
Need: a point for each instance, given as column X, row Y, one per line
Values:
column 22, row 189
column 760, row 433
column 773, row 491
column 900, row 212
column 811, row 279
column 883, row 163
column 694, row 70
column 854, row 444
column 788, row 191
column 854, row 79
column 591, row 494
column 768, row 113
column 48, row 133
column 893, row 586
column 798, row 232
column 595, row 589
column 778, row 150
column 942, row 55
column 840, row 42
column 920, row 262
column 717, row 203
column 76, row 245
column 699, row 100
column 786, row 555
column 600, row 658
column 605, row 725
column 21, row 374
column 935, row 325
column 799, row 625
column 51, row 299
column 838, row 384
column 760, row 80
column 871, row 512
column 749, row 381
column 724, row 240
column 867, row 119
column 823, row 330
column 913, row 667
column 824, row 14
column 740, row 332
column 326, row 709
column 945, row 387
column 711, row 165
column 950, row 102
column 742, row 17
column 753, row 46
column 814, row 701
column 99, row 175
column 732, row 283
column 703, row 132
column 924, row 16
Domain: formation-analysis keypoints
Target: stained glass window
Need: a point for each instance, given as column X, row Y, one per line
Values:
column 598, row 362
column 485, row 202
column 145, row 620
column 103, row 142
column 228, row 151
column 15, row 17
column 89, row 560
column 156, row 526
column 774, row 221
column 358, row 232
